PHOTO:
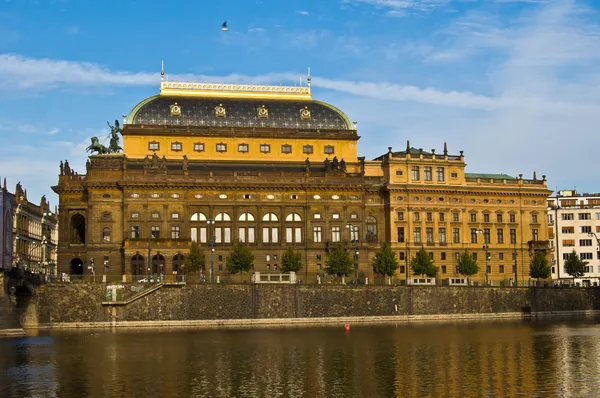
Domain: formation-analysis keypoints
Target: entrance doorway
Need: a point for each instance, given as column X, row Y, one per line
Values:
column 158, row 264
column 137, row 265
column 77, row 266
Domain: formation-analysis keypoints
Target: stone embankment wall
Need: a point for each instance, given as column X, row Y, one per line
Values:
column 63, row 303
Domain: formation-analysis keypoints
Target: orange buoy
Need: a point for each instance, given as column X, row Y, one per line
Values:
column 347, row 327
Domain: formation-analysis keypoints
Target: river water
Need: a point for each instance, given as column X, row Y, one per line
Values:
column 501, row 358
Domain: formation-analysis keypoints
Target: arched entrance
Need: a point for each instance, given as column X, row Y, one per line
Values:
column 78, row 229
column 178, row 261
column 137, row 265
column 77, row 266
column 158, row 264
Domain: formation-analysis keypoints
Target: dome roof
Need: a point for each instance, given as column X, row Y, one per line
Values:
column 238, row 112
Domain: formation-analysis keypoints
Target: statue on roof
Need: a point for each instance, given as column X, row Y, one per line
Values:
column 185, row 163
column 114, row 146
column 343, row 165
column 97, row 147
column 62, row 168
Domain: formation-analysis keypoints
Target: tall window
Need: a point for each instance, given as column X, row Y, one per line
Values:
column 293, row 233
column 427, row 173
column 455, row 235
column 400, row 215
column 417, row 235
column 442, row 217
column 415, row 173
column 534, row 219
column 371, row 229
column 135, row 232
column 513, row 236
column 455, row 217
column 512, row 218
column 198, row 229
column 270, row 232
column 106, row 235
column 473, row 235
column 486, row 217
column 442, row 235
column 429, row 216
column 416, row 216
column 175, row 232
column 336, row 234
column 534, row 234
column 401, row 234
column 317, row 234
column 155, row 231
column 440, row 174
column 246, row 233
column 499, row 217
column 223, row 228
column 500, row 235
column 429, row 235
column 473, row 217
column 486, row 235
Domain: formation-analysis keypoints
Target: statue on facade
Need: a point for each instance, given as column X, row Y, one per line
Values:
column 327, row 164
column 114, row 147
column 335, row 165
column 88, row 165
column 62, row 168
column 163, row 163
column 343, row 165
column 307, row 165
column 97, row 147
column 185, row 163
column 147, row 162
column 67, row 168
column 154, row 162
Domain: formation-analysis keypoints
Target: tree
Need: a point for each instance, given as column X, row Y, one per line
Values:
column 422, row 264
column 290, row 261
column 240, row 259
column 194, row 261
column 385, row 262
column 574, row 266
column 466, row 265
column 339, row 262
column 538, row 267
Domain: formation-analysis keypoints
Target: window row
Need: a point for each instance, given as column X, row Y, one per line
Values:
column 571, row 242
column 241, row 147
column 429, row 216
column 428, row 173
column 272, row 217
column 580, row 216
column 456, row 234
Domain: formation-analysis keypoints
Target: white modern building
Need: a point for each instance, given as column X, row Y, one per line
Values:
column 574, row 224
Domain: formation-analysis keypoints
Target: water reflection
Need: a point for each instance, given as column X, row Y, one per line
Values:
column 556, row 358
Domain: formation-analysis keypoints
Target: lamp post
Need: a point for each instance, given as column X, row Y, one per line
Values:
column 149, row 259
column 93, row 270
column 210, row 222
column 487, row 254
column 354, row 241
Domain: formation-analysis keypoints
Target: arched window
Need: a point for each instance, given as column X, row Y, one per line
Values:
column 246, row 233
column 137, row 266
column 178, row 261
column 371, row 229
column 270, row 217
column 78, row 229
column 106, row 235
column 293, row 234
column 270, row 232
column 158, row 264
column 222, row 230
column 293, row 217
column 198, row 229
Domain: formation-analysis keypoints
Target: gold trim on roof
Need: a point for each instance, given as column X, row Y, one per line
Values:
column 234, row 90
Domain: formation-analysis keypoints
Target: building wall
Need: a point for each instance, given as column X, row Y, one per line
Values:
column 6, row 229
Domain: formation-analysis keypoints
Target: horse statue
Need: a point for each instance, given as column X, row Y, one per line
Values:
column 96, row 146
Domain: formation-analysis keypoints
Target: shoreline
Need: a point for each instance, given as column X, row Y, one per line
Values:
column 300, row 322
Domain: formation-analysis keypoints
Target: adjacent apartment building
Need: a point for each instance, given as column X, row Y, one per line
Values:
column 574, row 224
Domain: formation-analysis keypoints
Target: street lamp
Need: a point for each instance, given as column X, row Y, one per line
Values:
column 487, row 254
column 515, row 260
column 211, row 221
column 354, row 240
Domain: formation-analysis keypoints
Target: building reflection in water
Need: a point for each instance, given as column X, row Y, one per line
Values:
column 478, row 359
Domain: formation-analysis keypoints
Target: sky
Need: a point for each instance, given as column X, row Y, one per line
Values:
column 515, row 84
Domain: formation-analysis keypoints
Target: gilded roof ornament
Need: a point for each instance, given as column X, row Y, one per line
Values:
column 220, row 111
column 305, row 113
column 175, row 109
column 262, row 112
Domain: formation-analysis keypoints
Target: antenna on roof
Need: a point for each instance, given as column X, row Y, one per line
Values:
column 308, row 79
column 162, row 71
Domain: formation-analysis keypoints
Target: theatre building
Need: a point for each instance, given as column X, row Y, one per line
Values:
column 270, row 166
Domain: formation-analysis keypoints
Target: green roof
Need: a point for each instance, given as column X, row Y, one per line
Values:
column 488, row 176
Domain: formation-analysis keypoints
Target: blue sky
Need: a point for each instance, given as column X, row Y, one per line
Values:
column 515, row 84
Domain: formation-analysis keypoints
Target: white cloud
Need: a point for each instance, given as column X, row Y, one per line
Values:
column 305, row 13
column 401, row 8
column 53, row 131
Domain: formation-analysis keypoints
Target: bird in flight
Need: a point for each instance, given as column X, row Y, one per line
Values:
column 224, row 27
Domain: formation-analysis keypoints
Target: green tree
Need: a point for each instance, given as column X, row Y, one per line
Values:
column 466, row 265
column 194, row 261
column 422, row 264
column 290, row 261
column 339, row 262
column 240, row 259
column 574, row 266
column 538, row 267
column 384, row 262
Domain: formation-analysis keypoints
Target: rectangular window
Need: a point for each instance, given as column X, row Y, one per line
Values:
column 203, row 234
column 567, row 216
column 416, row 216
column 198, row 147
column 585, row 216
column 534, row 219
column 270, row 234
column 486, row 235
column 415, row 173
column 455, row 235
column 153, row 146
column 474, row 256
column 442, row 255
column 155, row 230
column 336, row 234
column 500, row 256
column 289, row 235
column 135, row 232
column 513, row 236
column 512, row 218
column 242, row 147
column 586, row 229
column 597, row 216
column 221, row 147
column 354, row 233
column 429, row 235
column 401, row 234
column 473, row 235
column 335, row 216
column 307, row 149
column 399, row 173
column 455, row 217
column 454, row 175
column 317, row 216
column 285, row 148
column 400, row 215
column 586, row 256
column 417, row 235
column 265, row 148
column 500, row 235
column 473, row 217
column 442, row 217
column 298, row 235
column 176, row 146
column 442, row 235
column 429, row 216
column 402, row 269
column 401, row 256
column 534, row 234
column 499, row 217
column 427, row 173
column 568, row 230
column 246, row 234
column 317, row 234
column 501, row 269
column 582, row 242
column 329, row 150
column 440, row 174
column 443, row 269
column 175, row 232
column 568, row 243
column 486, row 218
